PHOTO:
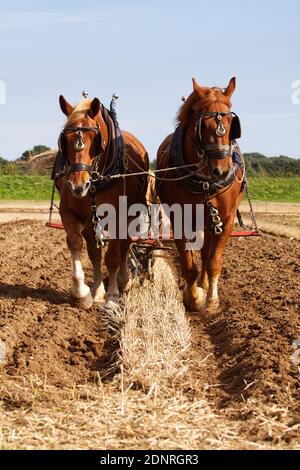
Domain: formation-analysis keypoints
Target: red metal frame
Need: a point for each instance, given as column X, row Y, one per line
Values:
column 253, row 233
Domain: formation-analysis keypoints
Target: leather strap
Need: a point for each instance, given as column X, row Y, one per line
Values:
column 79, row 167
column 82, row 129
column 199, row 184
column 215, row 151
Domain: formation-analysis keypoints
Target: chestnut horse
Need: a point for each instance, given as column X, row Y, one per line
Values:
column 205, row 135
column 86, row 152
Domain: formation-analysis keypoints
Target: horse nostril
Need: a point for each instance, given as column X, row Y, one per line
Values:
column 216, row 172
column 78, row 189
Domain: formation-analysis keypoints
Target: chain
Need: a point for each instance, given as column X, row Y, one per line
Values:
column 217, row 224
column 99, row 240
column 52, row 204
column 252, row 213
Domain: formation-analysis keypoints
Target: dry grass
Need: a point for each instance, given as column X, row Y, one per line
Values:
column 283, row 226
column 112, row 417
column 156, row 335
column 146, row 405
column 276, row 218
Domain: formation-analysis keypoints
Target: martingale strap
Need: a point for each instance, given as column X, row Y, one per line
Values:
column 196, row 183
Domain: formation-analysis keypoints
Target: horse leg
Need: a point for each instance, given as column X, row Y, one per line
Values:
column 203, row 282
column 192, row 295
column 214, row 264
column 123, row 274
column 95, row 256
column 80, row 291
column 112, row 261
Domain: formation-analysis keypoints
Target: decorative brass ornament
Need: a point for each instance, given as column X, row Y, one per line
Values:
column 78, row 143
column 221, row 130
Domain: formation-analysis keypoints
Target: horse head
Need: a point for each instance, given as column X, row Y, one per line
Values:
column 82, row 142
column 211, row 126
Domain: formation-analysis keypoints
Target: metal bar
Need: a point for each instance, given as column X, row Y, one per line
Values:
column 53, row 225
column 254, row 233
column 150, row 241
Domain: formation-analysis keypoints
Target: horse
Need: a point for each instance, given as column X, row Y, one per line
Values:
column 205, row 137
column 91, row 150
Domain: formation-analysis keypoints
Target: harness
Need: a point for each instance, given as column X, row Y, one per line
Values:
column 197, row 182
column 218, row 151
column 103, row 174
column 115, row 150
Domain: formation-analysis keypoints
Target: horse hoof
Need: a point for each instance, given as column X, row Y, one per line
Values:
column 195, row 305
column 112, row 302
column 99, row 295
column 99, row 298
column 85, row 302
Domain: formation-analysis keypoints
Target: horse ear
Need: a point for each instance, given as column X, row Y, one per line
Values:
column 197, row 88
column 95, row 108
column 66, row 108
column 231, row 87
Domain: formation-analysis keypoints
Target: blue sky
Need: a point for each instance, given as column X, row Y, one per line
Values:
column 148, row 51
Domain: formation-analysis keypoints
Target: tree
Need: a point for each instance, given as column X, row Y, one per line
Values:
column 36, row 150
column 3, row 162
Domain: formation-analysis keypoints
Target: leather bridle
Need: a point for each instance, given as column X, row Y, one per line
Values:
column 73, row 167
column 216, row 151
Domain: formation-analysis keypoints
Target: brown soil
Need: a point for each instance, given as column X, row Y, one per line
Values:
column 247, row 346
column 250, row 339
column 44, row 334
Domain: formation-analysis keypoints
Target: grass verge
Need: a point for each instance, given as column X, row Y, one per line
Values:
column 30, row 187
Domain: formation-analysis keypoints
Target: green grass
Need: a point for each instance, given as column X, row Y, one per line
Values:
column 17, row 187
column 264, row 188
column 39, row 188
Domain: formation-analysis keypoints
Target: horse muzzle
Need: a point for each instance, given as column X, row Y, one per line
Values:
column 79, row 190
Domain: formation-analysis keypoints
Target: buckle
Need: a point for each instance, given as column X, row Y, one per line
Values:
column 93, row 189
column 94, row 176
column 206, row 186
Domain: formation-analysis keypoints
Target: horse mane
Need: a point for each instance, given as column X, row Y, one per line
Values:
column 79, row 112
column 201, row 104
